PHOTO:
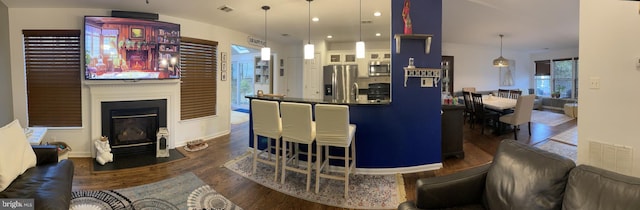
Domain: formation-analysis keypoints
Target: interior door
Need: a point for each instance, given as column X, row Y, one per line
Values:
column 313, row 78
column 294, row 76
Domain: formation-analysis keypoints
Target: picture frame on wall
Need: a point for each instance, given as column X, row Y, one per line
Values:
column 223, row 76
column 223, row 57
column 282, row 72
column 507, row 74
column 136, row 33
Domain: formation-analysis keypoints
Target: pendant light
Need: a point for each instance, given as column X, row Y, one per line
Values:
column 360, row 44
column 308, row 48
column 501, row 61
column 265, row 53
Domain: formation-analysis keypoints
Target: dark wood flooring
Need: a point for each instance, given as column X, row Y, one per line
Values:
column 208, row 165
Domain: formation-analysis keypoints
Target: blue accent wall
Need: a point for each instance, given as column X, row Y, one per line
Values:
column 408, row 131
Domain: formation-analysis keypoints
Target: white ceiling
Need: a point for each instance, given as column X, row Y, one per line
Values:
column 528, row 25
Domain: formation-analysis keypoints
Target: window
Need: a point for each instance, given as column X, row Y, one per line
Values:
column 198, row 76
column 562, row 80
column 543, row 78
column 52, row 66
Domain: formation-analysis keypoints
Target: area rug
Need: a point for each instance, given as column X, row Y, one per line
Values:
column 242, row 110
column 568, row 137
column 186, row 191
column 549, row 118
column 365, row 191
column 565, row 150
column 239, row 117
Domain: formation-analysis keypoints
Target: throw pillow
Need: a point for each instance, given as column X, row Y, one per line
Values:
column 16, row 155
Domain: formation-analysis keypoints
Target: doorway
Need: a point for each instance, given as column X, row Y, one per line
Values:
column 242, row 76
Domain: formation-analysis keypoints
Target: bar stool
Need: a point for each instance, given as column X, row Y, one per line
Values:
column 297, row 128
column 267, row 123
column 333, row 130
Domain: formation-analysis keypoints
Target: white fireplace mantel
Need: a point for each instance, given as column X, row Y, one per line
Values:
column 120, row 90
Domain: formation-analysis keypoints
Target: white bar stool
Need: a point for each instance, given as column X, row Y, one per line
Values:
column 298, row 128
column 333, row 130
column 267, row 123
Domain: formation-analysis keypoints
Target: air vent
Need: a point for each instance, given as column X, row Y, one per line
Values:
column 285, row 35
column 225, row 8
column 367, row 22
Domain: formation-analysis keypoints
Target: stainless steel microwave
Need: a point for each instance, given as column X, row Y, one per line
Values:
column 379, row 68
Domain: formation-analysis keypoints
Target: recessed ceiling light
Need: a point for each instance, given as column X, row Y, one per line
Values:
column 377, row 14
column 315, row 19
column 378, row 34
column 329, row 36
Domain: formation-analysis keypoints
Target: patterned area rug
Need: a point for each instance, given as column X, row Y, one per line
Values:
column 549, row 118
column 569, row 136
column 365, row 191
column 560, row 148
column 186, row 191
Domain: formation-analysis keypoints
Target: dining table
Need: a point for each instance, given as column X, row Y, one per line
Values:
column 500, row 104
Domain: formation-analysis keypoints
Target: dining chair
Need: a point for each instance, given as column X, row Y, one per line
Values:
column 267, row 123
column 514, row 94
column 468, row 108
column 298, row 127
column 522, row 114
column 469, row 89
column 504, row 93
column 481, row 114
column 334, row 130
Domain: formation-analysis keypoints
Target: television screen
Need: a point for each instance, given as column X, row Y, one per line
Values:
column 130, row 49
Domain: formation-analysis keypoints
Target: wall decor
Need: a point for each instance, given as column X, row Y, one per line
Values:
column 136, row 33
column 223, row 76
column 223, row 57
column 507, row 74
column 223, row 66
column 281, row 72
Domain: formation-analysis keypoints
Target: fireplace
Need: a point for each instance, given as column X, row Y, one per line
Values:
column 132, row 125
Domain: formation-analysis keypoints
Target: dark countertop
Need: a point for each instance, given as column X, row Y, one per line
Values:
column 319, row 101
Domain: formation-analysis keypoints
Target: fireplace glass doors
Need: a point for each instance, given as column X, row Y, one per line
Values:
column 130, row 128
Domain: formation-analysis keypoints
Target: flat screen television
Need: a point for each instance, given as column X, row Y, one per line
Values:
column 130, row 49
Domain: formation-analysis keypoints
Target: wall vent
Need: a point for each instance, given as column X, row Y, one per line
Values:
column 225, row 8
column 613, row 157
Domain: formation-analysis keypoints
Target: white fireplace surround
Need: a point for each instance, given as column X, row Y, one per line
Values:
column 104, row 91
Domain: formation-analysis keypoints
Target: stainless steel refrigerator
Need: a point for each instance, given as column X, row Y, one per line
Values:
column 339, row 83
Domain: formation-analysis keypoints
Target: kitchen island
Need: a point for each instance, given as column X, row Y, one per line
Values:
column 380, row 146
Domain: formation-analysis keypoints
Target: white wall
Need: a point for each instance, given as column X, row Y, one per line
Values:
column 609, row 50
column 72, row 18
column 473, row 67
column 6, row 107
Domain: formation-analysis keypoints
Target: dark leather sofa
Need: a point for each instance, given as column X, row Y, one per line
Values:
column 525, row 177
column 48, row 183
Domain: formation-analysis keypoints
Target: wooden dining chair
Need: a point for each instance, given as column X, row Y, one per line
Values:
column 468, row 108
column 481, row 114
column 504, row 93
column 514, row 94
column 522, row 114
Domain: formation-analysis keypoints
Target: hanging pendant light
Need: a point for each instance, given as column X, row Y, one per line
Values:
column 265, row 53
column 308, row 48
column 501, row 61
column 360, row 44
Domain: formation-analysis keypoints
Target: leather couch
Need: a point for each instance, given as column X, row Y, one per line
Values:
column 525, row 177
column 48, row 183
